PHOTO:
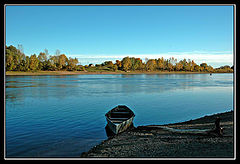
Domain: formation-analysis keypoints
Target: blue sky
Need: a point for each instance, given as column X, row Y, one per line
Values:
column 99, row 33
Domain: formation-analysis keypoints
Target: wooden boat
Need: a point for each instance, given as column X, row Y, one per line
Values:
column 119, row 118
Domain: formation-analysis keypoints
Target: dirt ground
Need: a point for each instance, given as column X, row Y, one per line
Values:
column 153, row 142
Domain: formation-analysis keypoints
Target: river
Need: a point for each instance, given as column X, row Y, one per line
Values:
column 63, row 116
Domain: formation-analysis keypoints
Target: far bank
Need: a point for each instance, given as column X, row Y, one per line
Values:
column 15, row 73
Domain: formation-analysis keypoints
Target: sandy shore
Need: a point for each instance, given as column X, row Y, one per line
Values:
column 146, row 142
column 15, row 73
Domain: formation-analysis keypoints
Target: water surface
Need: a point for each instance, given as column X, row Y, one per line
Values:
column 63, row 116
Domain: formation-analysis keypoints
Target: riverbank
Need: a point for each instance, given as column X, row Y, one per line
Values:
column 153, row 142
column 16, row 73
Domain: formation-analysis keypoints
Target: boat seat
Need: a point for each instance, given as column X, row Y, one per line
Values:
column 116, row 121
column 120, row 112
column 113, row 118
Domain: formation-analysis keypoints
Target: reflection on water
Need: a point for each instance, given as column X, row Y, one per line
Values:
column 108, row 131
column 65, row 115
column 104, row 85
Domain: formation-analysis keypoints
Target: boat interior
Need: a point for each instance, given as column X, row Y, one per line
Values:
column 119, row 114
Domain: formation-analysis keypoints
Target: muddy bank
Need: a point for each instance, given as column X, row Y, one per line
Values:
column 153, row 142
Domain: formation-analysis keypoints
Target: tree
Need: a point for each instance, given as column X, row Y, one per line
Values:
column 210, row 68
column 62, row 61
column 115, row 67
column 160, row 63
column 193, row 64
column 42, row 57
column 108, row 64
column 197, row 68
column 151, row 65
column 27, row 65
column 9, row 60
column 138, row 65
column 53, row 63
column 126, row 63
column 33, row 62
column 170, row 67
column 72, row 64
column 184, row 64
column 179, row 67
column 46, row 53
column 119, row 64
column 203, row 66
column 15, row 59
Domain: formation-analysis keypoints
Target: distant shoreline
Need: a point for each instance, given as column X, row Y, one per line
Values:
column 16, row 73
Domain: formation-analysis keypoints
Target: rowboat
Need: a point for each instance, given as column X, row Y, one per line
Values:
column 119, row 118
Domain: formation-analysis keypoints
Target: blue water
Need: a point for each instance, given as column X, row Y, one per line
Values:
column 63, row 116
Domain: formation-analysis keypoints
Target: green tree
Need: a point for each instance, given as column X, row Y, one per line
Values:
column 27, row 65
column 72, row 63
column 15, row 59
column 9, row 60
column 108, row 64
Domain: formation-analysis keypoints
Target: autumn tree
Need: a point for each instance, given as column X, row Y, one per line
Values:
column 204, row 66
column 151, row 65
column 197, row 68
column 138, row 65
column 10, row 60
column 126, row 63
column 27, row 65
column 179, row 66
column 42, row 58
column 33, row 62
column 53, row 63
column 119, row 64
column 115, row 67
column 72, row 64
column 63, row 60
column 184, row 64
column 160, row 63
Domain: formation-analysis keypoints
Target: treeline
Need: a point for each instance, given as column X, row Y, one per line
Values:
column 17, row 61
column 161, row 64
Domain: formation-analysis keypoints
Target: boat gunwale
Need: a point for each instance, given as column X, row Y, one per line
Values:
column 128, row 110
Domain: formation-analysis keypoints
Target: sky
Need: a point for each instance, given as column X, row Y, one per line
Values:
column 95, row 34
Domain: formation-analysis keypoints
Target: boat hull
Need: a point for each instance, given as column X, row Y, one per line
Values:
column 118, row 128
column 119, row 118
